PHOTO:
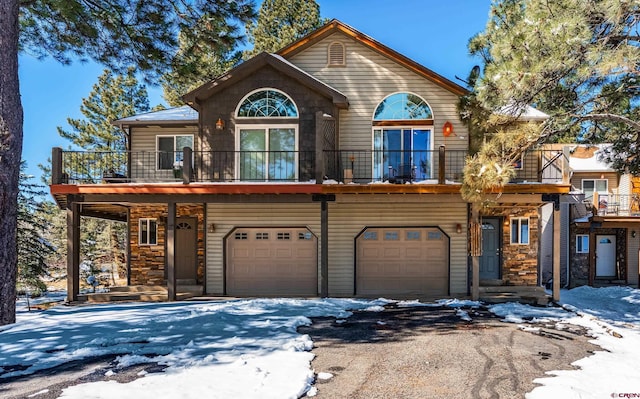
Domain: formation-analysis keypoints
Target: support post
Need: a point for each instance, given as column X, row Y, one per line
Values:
column 187, row 166
column 56, row 165
column 566, row 169
column 556, row 251
column 170, row 259
column 476, row 236
column 319, row 162
column 324, row 249
column 441, row 164
column 73, row 251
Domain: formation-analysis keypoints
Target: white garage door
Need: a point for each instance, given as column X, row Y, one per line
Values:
column 272, row 262
column 402, row 262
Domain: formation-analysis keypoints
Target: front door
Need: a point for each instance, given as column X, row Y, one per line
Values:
column 186, row 253
column 606, row 256
column 490, row 259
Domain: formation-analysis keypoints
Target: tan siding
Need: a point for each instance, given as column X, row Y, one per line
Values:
column 612, row 177
column 625, row 185
column 227, row 216
column 143, row 139
column 367, row 79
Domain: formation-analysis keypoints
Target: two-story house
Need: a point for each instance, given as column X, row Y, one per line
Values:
column 330, row 168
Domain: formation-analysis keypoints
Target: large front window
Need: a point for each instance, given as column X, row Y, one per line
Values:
column 402, row 138
column 402, row 152
column 268, row 147
column 268, row 154
column 589, row 186
column 170, row 150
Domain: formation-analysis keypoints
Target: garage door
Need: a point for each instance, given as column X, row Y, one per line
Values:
column 402, row 262
column 272, row 262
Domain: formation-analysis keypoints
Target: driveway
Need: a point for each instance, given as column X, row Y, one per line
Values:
column 431, row 352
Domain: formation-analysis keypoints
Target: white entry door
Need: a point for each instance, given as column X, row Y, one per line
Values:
column 606, row 256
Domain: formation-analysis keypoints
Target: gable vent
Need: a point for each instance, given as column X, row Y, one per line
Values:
column 336, row 54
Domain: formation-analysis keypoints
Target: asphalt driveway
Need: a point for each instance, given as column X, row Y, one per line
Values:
column 430, row 352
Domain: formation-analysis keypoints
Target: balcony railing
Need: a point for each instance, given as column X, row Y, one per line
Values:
column 616, row 204
column 346, row 166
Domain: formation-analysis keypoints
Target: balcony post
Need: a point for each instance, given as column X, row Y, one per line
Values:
column 441, row 164
column 170, row 260
column 56, row 165
column 566, row 170
column 73, row 249
column 187, row 167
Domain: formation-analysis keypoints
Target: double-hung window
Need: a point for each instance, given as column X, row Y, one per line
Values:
column 520, row 231
column 148, row 232
column 267, row 137
column 170, row 150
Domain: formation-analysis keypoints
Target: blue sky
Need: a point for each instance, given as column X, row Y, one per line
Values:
column 433, row 33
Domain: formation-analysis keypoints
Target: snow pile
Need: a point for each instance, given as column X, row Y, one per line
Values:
column 247, row 348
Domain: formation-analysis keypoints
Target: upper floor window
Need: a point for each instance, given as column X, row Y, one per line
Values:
column 402, row 106
column 589, row 186
column 170, row 150
column 267, row 103
column 336, row 54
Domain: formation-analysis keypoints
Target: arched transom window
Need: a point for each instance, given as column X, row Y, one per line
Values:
column 267, row 137
column 403, row 139
column 402, row 106
column 267, row 103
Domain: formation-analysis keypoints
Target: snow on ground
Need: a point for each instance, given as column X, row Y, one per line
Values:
column 250, row 348
column 612, row 316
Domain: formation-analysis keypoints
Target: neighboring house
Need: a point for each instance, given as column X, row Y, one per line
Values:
column 330, row 168
column 603, row 240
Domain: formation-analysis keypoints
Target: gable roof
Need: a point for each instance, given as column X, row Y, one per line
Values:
column 334, row 26
column 250, row 66
column 184, row 115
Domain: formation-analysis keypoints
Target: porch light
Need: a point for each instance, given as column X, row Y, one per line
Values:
column 212, row 228
column 458, row 228
column 633, row 233
column 447, row 129
column 219, row 124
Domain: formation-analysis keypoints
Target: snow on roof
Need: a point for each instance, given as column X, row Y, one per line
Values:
column 528, row 114
column 587, row 159
column 178, row 114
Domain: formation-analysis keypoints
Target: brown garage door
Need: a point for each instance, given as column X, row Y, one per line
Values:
column 402, row 262
column 272, row 262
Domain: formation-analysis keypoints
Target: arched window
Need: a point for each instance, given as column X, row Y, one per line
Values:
column 267, row 103
column 267, row 137
column 403, row 139
column 403, row 106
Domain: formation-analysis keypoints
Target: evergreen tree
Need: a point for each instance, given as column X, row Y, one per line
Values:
column 118, row 33
column 576, row 60
column 112, row 97
column 197, row 62
column 280, row 23
column 32, row 246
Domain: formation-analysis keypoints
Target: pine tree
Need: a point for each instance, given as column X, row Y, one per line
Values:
column 112, row 97
column 117, row 33
column 576, row 60
column 33, row 248
column 197, row 62
column 280, row 23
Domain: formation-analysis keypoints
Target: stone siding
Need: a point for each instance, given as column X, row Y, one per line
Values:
column 579, row 263
column 147, row 265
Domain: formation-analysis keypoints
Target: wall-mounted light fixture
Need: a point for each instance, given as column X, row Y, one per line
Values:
column 458, row 228
column 219, row 124
column 447, row 129
column 633, row 233
column 211, row 228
